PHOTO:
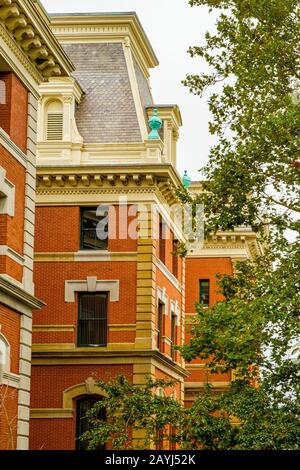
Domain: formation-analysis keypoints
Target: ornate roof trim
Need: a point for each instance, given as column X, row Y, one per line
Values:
column 86, row 27
column 32, row 40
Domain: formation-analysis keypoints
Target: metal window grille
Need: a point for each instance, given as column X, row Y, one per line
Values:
column 92, row 319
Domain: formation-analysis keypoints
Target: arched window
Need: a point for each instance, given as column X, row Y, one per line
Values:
column 2, row 92
column 54, row 120
column 4, row 354
column 83, row 405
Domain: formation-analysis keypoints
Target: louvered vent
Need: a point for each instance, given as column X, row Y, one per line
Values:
column 55, row 126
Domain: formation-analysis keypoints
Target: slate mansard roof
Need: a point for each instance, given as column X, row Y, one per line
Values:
column 107, row 112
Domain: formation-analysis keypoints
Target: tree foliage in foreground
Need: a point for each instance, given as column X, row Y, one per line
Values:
column 252, row 179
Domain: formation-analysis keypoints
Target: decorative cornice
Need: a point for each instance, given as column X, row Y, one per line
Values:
column 125, row 356
column 12, row 148
column 109, row 179
column 96, row 27
column 19, row 294
column 17, row 51
column 27, row 34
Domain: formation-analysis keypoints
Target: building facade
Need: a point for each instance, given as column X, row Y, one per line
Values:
column 29, row 55
column 95, row 203
column 114, row 304
column 217, row 255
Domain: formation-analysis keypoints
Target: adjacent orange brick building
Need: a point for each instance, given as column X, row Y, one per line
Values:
column 24, row 64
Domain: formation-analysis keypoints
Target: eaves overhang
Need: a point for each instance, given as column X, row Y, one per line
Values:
column 26, row 29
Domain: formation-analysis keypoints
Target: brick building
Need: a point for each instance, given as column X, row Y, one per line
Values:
column 114, row 297
column 217, row 255
column 29, row 55
column 116, row 305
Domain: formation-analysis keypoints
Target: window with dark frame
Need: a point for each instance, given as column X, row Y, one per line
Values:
column 204, row 292
column 83, row 405
column 173, row 335
column 160, row 325
column 94, row 228
column 162, row 239
column 92, row 319
column 175, row 258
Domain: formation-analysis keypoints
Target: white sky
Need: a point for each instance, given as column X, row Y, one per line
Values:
column 171, row 26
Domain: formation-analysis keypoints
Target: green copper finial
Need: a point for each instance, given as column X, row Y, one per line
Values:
column 186, row 180
column 155, row 123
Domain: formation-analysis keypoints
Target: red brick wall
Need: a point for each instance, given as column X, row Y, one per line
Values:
column 50, row 278
column 52, row 434
column 196, row 269
column 163, row 282
column 204, row 268
column 10, row 328
column 118, row 239
column 11, row 267
column 12, row 228
column 57, row 229
column 8, row 417
column 59, row 434
column 13, row 119
column 203, row 375
column 13, row 114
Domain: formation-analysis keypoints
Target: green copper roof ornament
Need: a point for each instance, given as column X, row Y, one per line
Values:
column 186, row 180
column 155, row 123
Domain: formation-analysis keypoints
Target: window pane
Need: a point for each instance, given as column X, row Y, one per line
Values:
column 204, row 292
column 160, row 325
column 83, row 405
column 173, row 335
column 92, row 322
column 94, row 228
column 175, row 258
column 162, row 240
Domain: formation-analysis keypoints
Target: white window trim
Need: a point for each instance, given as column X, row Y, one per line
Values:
column 5, row 346
column 7, row 378
column 91, row 284
column 163, row 297
column 7, row 195
column 175, row 310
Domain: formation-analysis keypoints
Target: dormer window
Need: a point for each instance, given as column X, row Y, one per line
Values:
column 54, row 120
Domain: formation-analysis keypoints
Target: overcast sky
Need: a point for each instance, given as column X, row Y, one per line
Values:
column 171, row 26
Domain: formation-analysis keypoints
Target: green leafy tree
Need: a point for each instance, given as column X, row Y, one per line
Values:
column 129, row 408
column 252, row 179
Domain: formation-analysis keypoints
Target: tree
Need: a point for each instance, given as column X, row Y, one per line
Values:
column 252, row 179
column 129, row 408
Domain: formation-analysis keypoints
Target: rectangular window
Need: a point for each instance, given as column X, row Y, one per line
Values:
column 94, row 228
column 175, row 259
column 204, row 292
column 160, row 325
column 162, row 240
column 173, row 335
column 83, row 405
column 92, row 319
